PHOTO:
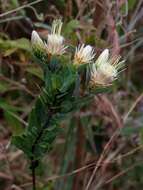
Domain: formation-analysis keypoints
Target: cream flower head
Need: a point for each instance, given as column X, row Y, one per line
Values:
column 84, row 54
column 55, row 42
column 105, row 70
column 36, row 41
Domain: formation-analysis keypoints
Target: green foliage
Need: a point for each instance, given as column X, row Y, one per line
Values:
column 10, row 46
column 55, row 101
column 60, row 95
column 4, row 86
column 36, row 71
column 14, row 122
column 128, row 5
column 12, row 116
column 15, row 3
column 70, row 27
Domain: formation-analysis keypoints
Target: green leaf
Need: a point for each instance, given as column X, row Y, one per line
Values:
column 4, row 86
column 14, row 122
column 131, row 4
column 15, row 3
column 70, row 27
column 100, row 90
column 127, row 6
column 12, row 117
column 37, row 71
column 10, row 46
column 7, row 107
column 129, row 130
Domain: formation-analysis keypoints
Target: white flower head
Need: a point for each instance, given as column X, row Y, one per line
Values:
column 36, row 41
column 84, row 54
column 55, row 42
column 105, row 70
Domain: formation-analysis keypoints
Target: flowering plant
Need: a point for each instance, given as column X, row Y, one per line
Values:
column 69, row 84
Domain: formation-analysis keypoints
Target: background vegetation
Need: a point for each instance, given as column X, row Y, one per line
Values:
column 100, row 147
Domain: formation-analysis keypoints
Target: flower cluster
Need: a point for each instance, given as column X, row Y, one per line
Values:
column 103, row 71
column 55, row 42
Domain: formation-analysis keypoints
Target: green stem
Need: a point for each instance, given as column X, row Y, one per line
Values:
column 34, row 162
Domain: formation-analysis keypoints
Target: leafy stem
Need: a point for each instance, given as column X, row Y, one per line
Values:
column 34, row 163
column 41, row 132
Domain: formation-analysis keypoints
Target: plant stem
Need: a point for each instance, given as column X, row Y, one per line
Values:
column 79, row 155
column 33, row 174
column 42, row 130
column 34, row 163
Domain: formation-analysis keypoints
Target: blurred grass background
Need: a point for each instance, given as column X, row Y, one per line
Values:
column 115, row 118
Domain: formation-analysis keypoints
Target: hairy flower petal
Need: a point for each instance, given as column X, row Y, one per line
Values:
column 55, row 42
column 36, row 40
column 83, row 54
column 105, row 70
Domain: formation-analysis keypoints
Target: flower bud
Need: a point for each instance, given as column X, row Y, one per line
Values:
column 36, row 41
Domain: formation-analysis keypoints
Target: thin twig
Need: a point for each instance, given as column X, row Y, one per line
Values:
column 101, row 158
column 15, row 83
column 89, row 166
column 128, row 153
column 123, row 172
column 93, row 164
column 82, row 8
column 19, row 8
column 132, row 107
